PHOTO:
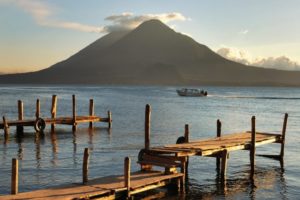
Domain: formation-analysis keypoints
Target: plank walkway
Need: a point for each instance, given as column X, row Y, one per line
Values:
column 58, row 120
column 219, row 147
column 39, row 123
column 207, row 147
column 100, row 188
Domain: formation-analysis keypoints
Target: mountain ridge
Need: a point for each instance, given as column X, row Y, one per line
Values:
column 152, row 54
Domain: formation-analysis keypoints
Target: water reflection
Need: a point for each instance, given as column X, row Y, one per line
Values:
column 74, row 149
column 54, row 148
column 39, row 137
column 19, row 141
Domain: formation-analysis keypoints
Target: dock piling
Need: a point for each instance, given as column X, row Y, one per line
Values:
column 14, row 176
column 53, row 110
column 20, row 115
column 74, row 127
column 147, row 126
column 252, row 147
column 109, row 119
column 186, row 133
column 37, row 113
column 218, row 159
column 283, row 136
column 127, row 175
column 85, row 166
column 224, row 155
column 185, row 165
column 92, row 112
column 6, row 128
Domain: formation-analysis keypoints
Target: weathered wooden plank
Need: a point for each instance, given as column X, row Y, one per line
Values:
column 100, row 186
column 147, row 187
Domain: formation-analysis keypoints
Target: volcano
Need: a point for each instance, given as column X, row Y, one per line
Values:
column 152, row 54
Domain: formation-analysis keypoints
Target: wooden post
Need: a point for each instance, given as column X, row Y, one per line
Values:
column 186, row 133
column 182, row 179
column 127, row 175
column 74, row 127
column 219, row 126
column 14, row 176
column 252, row 147
column 37, row 113
column 283, row 136
column 218, row 159
column 91, row 112
column 5, row 128
column 20, row 116
column 109, row 119
column 224, row 163
column 85, row 166
column 147, row 126
column 53, row 110
column 187, row 139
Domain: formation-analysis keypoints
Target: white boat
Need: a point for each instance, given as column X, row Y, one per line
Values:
column 191, row 92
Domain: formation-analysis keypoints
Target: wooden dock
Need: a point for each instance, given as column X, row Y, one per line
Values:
column 171, row 157
column 218, row 147
column 110, row 187
column 39, row 123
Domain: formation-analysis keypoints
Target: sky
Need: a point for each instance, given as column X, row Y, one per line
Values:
column 35, row 34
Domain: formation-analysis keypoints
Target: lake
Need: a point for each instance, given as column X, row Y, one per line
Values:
column 52, row 159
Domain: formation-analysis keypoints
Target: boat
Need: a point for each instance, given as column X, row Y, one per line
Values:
column 191, row 92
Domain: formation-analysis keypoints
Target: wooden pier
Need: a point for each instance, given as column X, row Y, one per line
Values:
column 219, row 147
column 171, row 157
column 40, row 123
column 110, row 187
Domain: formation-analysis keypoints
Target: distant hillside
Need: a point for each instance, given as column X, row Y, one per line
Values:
column 152, row 54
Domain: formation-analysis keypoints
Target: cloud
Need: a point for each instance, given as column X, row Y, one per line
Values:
column 235, row 54
column 281, row 62
column 128, row 21
column 241, row 56
column 244, row 32
column 44, row 15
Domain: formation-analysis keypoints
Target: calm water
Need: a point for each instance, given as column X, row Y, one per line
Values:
column 55, row 159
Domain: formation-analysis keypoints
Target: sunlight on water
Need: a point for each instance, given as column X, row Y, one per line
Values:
column 56, row 158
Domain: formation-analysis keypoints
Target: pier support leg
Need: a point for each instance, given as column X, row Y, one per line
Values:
column 85, row 166
column 218, row 159
column 283, row 136
column 91, row 112
column 14, row 176
column 224, row 155
column 183, row 179
column 20, row 129
column 53, row 111
column 187, row 139
column 186, row 133
column 38, row 107
column 6, row 129
column 109, row 119
column 127, row 176
column 147, row 126
column 252, row 148
column 74, row 127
